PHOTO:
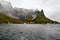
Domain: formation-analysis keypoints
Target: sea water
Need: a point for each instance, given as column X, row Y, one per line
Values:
column 29, row 32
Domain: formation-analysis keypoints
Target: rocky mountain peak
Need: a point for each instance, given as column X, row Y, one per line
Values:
column 5, row 6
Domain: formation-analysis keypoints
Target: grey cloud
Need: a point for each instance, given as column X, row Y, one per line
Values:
column 44, row 1
column 1, row 0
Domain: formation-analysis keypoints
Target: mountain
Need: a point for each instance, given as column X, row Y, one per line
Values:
column 8, row 14
column 6, row 8
column 23, row 13
column 5, row 19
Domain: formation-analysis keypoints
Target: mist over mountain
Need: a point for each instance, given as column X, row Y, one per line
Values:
column 7, row 8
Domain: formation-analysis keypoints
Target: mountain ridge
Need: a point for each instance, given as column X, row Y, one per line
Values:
column 21, row 15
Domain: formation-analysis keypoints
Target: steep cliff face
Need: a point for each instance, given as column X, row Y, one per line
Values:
column 23, row 13
column 39, row 13
column 6, row 8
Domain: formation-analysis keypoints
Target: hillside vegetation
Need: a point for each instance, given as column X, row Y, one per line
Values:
column 5, row 19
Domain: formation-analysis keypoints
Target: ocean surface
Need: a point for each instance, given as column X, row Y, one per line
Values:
column 29, row 32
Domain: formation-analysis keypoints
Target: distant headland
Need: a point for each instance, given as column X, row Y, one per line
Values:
column 10, row 15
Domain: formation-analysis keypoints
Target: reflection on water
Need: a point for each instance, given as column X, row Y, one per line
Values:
column 29, row 32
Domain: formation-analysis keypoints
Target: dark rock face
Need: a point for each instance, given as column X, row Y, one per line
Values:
column 40, row 13
column 21, row 12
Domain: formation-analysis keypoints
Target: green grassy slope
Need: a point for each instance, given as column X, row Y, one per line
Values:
column 7, row 19
column 44, row 20
column 4, row 19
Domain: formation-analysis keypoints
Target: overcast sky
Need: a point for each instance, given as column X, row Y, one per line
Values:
column 51, row 7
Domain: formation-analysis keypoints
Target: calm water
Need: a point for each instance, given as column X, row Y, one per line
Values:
column 29, row 32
